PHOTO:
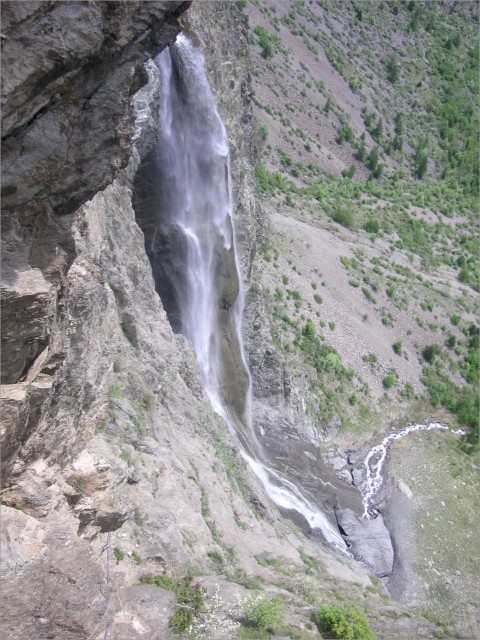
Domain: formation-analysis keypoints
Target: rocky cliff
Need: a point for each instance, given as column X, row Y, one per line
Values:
column 114, row 464
column 109, row 444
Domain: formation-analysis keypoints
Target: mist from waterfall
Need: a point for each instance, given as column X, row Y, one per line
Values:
column 195, row 204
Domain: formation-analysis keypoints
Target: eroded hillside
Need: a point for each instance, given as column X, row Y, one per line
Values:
column 367, row 168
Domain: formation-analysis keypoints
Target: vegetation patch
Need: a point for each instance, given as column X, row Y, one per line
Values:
column 190, row 598
column 344, row 622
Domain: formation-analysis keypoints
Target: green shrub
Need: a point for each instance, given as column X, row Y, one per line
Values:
column 372, row 159
column 372, row 226
column 397, row 347
column 349, row 172
column 392, row 69
column 431, row 351
column 180, row 620
column 264, row 613
column 116, row 392
column 190, row 598
column 269, row 42
column 118, row 554
column 345, row 622
column 309, row 329
column 390, row 380
column 344, row 217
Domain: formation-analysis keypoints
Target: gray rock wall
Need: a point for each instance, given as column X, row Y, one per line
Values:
column 108, row 440
column 69, row 70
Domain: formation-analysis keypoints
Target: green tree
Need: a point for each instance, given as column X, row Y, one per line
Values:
column 372, row 159
column 361, row 150
column 399, row 124
column 392, row 69
column 377, row 132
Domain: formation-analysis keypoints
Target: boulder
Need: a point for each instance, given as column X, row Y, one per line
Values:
column 368, row 540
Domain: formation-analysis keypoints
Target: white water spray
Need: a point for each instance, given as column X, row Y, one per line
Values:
column 196, row 199
column 375, row 459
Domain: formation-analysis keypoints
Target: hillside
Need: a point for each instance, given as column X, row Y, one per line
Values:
column 367, row 167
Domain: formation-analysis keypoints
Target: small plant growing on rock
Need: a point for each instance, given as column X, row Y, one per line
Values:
column 343, row 622
column 116, row 392
column 189, row 594
column 118, row 554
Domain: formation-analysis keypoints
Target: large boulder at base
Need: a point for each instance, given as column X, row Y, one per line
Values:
column 368, row 540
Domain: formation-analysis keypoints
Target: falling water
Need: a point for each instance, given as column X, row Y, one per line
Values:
column 375, row 459
column 206, row 299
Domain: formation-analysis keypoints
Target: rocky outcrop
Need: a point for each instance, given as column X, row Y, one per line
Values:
column 368, row 540
column 69, row 70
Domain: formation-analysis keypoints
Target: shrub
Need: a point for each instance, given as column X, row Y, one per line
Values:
column 372, row 159
column 189, row 596
column 431, row 351
column 372, row 226
column 390, row 380
column 344, row 217
column 392, row 69
column 269, row 42
column 180, row 620
column 309, row 329
column 349, row 172
column 264, row 613
column 116, row 392
column 345, row 622
column 397, row 347
column 118, row 554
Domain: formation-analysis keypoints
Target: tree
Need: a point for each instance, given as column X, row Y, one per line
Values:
column 399, row 124
column 372, row 159
column 420, row 159
column 392, row 69
column 377, row 132
column 421, row 163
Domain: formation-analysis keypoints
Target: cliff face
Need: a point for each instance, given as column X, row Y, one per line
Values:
column 69, row 71
column 109, row 443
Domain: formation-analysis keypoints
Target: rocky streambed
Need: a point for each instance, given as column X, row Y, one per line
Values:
column 378, row 542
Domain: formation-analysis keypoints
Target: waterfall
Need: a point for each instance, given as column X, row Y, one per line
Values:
column 190, row 241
